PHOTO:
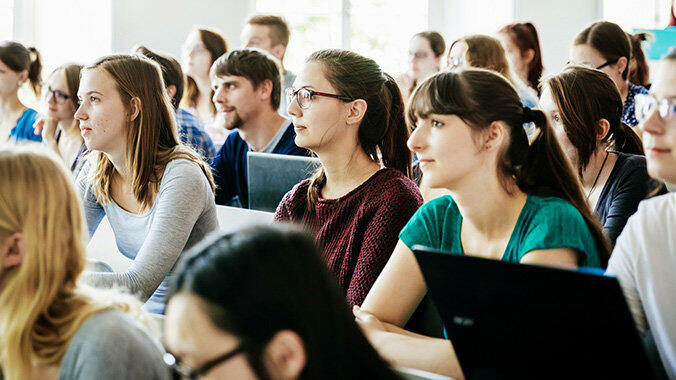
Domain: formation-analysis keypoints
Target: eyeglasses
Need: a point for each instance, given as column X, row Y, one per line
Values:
column 180, row 371
column 607, row 63
column 644, row 104
column 193, row 50
column 59, row 96
column 304, row 96
column 455, row 62
column 418, row 54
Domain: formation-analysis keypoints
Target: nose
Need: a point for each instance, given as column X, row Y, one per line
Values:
column 418, row 139
column 219, row 95
column 293, row 108
column 80, row 114
column 653, row 124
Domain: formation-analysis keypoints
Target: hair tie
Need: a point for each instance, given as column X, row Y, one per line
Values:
column 527, row 115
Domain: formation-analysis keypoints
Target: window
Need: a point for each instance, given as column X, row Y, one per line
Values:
column 6, row 20
column 630, row 14
column 365, row 26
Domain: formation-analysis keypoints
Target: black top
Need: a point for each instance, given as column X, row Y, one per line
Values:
column 627, row 185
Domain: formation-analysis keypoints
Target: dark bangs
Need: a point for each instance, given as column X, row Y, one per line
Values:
column 442, row 94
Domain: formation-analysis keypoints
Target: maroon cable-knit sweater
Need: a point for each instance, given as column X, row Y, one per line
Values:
column 358, row 231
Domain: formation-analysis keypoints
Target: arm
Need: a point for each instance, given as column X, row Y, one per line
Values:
column 174, row 220
column 559, row 257
column 379, row 239
column 224, row 176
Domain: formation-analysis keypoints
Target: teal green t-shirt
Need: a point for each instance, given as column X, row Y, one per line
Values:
column 544, row 223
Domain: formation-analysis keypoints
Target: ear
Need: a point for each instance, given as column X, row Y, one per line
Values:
column 13, row 249
column 264, row 89
column 278, row 51
column 285, row 355
column 23, row 75
column 356, row 111
column 621, row 64
column 134, row 108
column 604, row 127
column 494, row 136
column 171, row 90
column 528, row 55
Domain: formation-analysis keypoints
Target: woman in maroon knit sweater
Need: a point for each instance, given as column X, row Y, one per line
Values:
column 351, row 114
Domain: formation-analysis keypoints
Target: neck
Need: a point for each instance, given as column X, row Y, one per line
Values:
column 624, row 89
column 261, row 128
column 204, row 88
column 10, row 104
column 491, row 211
column 594, row 167
column 65, row 125
column 345, row 172
column 119, row 159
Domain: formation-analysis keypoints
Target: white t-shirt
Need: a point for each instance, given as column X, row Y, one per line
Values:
column 644, row 262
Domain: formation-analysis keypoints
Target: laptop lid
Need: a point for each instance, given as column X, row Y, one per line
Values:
column 508, row 320
column 272, row 175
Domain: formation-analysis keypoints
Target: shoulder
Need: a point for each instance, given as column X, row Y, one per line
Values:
column 183, row 170
column 544, row 208
column 394, row 185
column 298, row 192
column 186, row 120
column 634, row 89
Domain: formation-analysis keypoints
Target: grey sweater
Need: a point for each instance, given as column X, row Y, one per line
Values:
column 183, row 213
column 110, row 345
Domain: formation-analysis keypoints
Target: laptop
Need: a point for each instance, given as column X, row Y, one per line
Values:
column 271, row 175
column 517, row 321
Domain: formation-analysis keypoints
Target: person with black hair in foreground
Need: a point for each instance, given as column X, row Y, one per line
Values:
column 260, row 303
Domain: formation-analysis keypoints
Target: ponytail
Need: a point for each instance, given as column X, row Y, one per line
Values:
column 382, row 132
column 35, row 70
column 19, row 58
column 626, row 140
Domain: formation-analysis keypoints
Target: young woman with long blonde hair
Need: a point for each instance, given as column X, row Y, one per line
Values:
column 156, row 193
column 52, row 327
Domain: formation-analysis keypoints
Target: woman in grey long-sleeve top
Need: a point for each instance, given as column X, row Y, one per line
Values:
column 157, row 194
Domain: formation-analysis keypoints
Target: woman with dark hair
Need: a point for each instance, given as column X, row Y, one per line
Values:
column 605, row 46
column 639, row 71
column 424, row 59
column 351, row 114
column 510, row 200
column 522, row 46
column 259, row 303
column 18, row 64
column 584, row 108
column 200, row 50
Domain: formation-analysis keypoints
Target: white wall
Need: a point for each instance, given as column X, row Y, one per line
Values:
column 146, row 22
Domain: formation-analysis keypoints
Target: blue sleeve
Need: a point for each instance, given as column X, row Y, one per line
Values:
column 223, row 169
column 24, row 127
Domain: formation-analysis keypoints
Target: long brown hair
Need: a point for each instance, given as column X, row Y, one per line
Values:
column 217, row 46
column 152, row 137
column 486, row 52
column 525, row 37
column 19, row 58
column 640, row 75
column 609, row 40
column 584, row 96
column 383, row 129
column 480, row 97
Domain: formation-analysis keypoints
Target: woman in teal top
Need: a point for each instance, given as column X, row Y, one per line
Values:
column 18, row 65
column 510, row 199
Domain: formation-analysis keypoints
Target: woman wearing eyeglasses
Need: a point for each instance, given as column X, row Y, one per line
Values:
column 259, row 304
column 52, row 325
column 584, row 107
column 18, row 64
column 424, row 59
column 351, row 114
column 644, row 259
column 59, row 129
column 605, row 46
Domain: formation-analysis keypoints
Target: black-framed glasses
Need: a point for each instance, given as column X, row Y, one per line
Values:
column 644, row 104
column 607, row 63
column 180, row 371
column 304, row 96
column 59, row 97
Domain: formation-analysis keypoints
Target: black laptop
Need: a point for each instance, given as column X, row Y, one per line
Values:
column 517, row 321
column 271, row 175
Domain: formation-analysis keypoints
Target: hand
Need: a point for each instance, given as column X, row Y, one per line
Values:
column 47, row 128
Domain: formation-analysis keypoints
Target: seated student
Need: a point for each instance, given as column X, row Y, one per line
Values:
column 488, row 53
column 270, row 33
column 58, row 127
column 604, row 46
column 247, row 89
column 18, row 64
column 644, row 259
column 53, row 327
column 424, row 59
column 190, row 128
column 639, row 71
column 259, row 303
column 351, row 114
column 139, row 175
column 584, row 107
column 522, row 46
column 509, row 201
column 199, row 51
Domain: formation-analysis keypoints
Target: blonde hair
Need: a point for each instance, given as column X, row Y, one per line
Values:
column 486, row 52
column 42, row 305
column 152, row 137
